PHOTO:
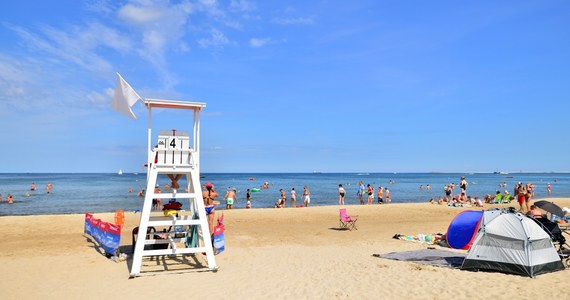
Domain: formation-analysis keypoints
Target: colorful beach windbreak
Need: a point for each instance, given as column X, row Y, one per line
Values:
column 107, row 235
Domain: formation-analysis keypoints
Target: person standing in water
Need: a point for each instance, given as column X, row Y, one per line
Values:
column 341, row 193
column 306, row 196
column 230, row 198
column 248, row 199
column 293, row 197
column 49, row 187
column 360, row 191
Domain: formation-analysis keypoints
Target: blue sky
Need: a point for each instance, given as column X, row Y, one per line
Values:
column 290, row 86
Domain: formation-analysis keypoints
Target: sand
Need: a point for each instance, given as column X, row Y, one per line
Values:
column 292, row 253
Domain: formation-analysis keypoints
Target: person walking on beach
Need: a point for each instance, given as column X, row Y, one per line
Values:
column 341, row 193
column 230, row 197
column 306, row 196
column 387, row 196
column 293, row 197
column 370, row 198
column 360, row 192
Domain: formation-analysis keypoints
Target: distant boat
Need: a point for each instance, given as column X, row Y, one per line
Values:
column 120, row 172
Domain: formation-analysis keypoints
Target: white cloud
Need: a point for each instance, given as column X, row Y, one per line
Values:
column 256, row 43
column 242, row 5
column 293, row 21
column 142, row 14
column 159, row 23
column 100, row 99
column 216, row 39
column 77, row 45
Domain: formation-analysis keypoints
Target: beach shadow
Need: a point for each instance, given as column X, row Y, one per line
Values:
column 170, row 264
column 96, row 246
column 338, row 229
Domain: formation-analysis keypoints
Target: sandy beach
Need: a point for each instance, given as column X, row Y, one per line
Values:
column 292, row 253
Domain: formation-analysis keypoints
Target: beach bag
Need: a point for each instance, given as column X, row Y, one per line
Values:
column 218, row 241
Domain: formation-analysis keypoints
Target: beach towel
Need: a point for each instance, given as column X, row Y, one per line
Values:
column 433, row 257
column 192, row 237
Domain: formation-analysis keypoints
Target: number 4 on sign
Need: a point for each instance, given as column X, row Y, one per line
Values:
column 173, row 143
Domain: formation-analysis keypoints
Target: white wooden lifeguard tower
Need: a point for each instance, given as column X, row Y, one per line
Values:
column 174, row 154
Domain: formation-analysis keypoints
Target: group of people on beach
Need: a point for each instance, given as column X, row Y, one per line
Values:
column 281, row 202
column 382, row 196
column 523, row 193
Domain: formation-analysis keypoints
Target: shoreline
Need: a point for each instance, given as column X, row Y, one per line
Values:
column 221, row 209
column 282, row 253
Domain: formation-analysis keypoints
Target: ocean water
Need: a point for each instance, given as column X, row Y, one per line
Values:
column 101, row 192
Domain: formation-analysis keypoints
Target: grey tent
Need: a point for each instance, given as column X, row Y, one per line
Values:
column 512, row 243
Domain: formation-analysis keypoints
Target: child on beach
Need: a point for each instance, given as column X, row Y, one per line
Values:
column 247, row 199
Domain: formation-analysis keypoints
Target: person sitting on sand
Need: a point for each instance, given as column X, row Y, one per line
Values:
column 478, row 202
column 534, row 212
column 498, row 198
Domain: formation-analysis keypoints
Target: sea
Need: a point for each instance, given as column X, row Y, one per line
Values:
column 107, row 192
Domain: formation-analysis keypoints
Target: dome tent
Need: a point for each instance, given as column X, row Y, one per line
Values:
column 511, row 243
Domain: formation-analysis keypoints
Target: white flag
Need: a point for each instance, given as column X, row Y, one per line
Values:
column 124, row 98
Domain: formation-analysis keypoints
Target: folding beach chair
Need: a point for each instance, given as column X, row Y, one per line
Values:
column 346, row 221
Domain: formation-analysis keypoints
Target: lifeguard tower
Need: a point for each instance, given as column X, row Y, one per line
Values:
column 173, row 154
